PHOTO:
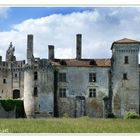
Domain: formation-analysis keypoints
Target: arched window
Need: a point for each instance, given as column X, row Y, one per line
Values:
column 4, row 81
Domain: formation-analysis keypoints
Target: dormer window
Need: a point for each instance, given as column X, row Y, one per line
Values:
column 126, row 60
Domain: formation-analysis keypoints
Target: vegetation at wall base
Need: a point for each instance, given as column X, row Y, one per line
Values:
column 131, row 115
column 8, row 104
column 13, row 105
column 70, row 125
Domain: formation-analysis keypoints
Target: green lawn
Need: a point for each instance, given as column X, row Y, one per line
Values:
column 68, row 125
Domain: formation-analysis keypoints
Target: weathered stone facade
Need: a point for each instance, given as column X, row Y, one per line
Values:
column 11, row 75
column 74, row 87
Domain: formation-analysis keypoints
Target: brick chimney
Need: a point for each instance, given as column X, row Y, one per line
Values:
column 78, row 46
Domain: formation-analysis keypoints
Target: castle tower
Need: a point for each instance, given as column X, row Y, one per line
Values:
column 29, row 99
column 125, row 76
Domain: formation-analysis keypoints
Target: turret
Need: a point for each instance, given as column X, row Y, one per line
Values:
column 10, row 53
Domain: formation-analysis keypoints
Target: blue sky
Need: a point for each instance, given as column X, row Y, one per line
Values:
column 19, row 14
column 58, row 26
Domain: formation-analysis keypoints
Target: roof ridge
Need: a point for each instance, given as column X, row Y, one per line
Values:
column 126, row 40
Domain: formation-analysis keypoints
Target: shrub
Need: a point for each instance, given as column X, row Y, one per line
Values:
column 131, row 115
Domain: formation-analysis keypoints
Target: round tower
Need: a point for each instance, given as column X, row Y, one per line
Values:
column 29, row 99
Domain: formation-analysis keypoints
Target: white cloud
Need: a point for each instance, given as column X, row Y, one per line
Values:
column 99, row 27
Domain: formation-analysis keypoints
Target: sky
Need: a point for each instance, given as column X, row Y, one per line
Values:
column 58, row 26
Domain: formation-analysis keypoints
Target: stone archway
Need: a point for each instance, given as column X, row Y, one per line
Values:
column 16, row 94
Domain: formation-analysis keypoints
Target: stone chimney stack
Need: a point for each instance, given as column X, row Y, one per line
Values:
column 0, row 60
column 51, row 52
column 78, row 46
column 29, row 48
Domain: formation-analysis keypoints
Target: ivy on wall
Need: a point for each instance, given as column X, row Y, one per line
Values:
column 10, row 104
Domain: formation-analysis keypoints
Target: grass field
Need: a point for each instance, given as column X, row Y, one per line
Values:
column 68, row 125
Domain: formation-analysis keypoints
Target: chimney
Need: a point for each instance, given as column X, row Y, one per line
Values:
column 29, row 47
column 51, row 52
column 78, row 46
column 0, row 60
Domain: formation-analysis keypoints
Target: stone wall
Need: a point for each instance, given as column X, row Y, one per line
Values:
column 77, row 85
column 13, row 74
column 125, row 92
column 41, row 104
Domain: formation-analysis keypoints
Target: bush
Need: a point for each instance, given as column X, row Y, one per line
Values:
column 131, row 115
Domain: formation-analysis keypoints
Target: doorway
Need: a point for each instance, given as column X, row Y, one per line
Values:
column 80, row 106
column 16, row 94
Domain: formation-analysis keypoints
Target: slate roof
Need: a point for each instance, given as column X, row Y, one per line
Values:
column 125, row 41
column 82, row 62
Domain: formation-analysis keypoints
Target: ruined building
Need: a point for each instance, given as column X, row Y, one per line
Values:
column 76, row 87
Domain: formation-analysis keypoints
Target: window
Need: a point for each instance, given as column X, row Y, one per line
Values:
column 125, row 76
column 4, row 81
column 35, row 91
column 126, row 60
column 62, row 92
column 35, row 75
column 4, row 63
column 62, row 77
column 92, row 77
column 92, row 92
column 15, row 75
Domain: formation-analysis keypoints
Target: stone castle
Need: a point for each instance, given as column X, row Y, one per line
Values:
column 76, row 87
